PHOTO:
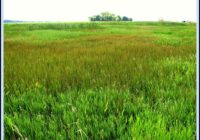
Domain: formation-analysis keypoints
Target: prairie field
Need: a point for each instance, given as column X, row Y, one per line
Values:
column 100, row 81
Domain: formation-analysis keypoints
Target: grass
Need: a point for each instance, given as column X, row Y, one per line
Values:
column 101, row 80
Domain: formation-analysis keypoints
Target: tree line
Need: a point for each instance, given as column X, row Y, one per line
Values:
column 106, row 16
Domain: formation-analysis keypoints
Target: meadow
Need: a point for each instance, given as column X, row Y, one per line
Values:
column 100, row 81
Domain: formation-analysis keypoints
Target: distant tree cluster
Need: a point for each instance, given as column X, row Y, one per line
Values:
column 106, row 16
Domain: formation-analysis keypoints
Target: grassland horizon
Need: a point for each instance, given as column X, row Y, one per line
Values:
column 100, row 80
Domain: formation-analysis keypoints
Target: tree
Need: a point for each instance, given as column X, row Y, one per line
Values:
column 106, row 16
column 93, row 18
column 98, row 18
column 118, row 18
column 124, row 18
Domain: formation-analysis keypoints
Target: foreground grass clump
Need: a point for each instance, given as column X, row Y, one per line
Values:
column 99, row 114
column 100, row 80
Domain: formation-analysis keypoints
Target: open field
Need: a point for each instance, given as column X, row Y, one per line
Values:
column 109, row 80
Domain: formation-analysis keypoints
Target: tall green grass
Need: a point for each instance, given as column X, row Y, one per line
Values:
column 124, row 80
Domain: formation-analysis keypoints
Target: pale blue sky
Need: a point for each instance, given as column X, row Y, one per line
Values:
column 80, row 10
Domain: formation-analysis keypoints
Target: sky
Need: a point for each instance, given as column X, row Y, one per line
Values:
column 80, row 10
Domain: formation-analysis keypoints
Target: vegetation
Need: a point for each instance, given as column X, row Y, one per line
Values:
column 106, row 16
column 102, row 80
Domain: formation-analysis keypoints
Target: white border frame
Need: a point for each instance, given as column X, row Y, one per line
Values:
column 197, row 70
column 2, row 71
